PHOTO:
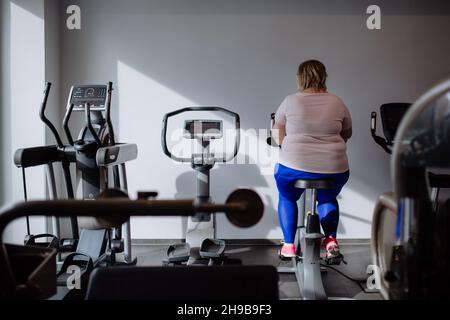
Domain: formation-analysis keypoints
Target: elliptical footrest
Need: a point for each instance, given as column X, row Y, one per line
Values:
column 178, row 253
column 212, row 249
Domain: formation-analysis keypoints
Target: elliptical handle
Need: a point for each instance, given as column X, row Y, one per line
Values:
column 66, row 124
column 89, row 125
column 373, row 122
column 44, row 118
column 383, row 143
column 69, row 110
column 270, row 140
column 164, row 138
column 169, row 115
column 112, row 138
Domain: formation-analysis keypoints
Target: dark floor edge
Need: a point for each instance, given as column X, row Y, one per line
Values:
column 253, row 242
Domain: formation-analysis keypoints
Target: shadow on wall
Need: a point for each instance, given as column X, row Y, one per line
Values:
column 224, row 180
column 33, row 7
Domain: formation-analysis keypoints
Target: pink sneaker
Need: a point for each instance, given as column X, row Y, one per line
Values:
column 333, row 254
column 288, row 250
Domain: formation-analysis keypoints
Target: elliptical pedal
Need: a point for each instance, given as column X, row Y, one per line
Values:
column 177, row 254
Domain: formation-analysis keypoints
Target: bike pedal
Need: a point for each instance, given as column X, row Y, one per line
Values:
column 335, row 261
column 283, row 258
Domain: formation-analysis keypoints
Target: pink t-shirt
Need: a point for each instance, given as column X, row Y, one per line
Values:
column 317, row 127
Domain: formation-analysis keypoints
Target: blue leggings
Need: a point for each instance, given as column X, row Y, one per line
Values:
column 327, row 208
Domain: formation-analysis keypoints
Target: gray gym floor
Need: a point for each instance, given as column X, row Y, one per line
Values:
column 336, row 285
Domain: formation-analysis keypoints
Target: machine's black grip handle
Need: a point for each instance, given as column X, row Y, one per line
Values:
column 373, row 122
column 270, row 140
column 44, row 118
column 383, row 143
column 145, row 195
column 66, row 122
column 112, row 138
column 37, row 156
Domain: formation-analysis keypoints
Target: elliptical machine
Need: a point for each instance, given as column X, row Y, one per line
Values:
column 100, row 164
column 418, row 258
column 201, row 243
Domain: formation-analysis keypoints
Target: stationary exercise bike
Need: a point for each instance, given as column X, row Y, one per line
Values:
column 307, row 264
column 201, row 242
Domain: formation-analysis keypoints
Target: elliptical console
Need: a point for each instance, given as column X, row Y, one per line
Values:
column 95, row 153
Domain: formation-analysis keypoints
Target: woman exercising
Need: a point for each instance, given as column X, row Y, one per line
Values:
column 312, row 126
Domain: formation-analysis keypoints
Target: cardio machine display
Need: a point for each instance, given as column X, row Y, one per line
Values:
column 203, row 129
column 93, row 94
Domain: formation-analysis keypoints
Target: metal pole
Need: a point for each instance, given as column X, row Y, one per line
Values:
column 51, row 183
column 25, row 196
column 313, row 201
column 127, row 225
column 302, row 209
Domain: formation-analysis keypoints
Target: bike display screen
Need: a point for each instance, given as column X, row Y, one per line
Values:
column 203, row 129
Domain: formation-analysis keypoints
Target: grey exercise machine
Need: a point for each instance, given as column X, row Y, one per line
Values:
column 100, row 163
column 307, row 264
column 201, row 241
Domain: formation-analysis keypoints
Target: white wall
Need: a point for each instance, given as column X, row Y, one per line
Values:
column 243, row 55
column 23, row 82
column 4, row 89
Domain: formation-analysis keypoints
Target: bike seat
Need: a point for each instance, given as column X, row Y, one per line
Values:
column 314, row 184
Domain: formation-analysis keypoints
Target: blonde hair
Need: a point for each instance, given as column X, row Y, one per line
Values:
column 312, row 74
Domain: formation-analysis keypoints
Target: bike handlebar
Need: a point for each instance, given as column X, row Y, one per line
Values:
column 200, row 109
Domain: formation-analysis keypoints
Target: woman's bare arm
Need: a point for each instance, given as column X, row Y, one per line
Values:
column 278, row 133
column 346, row 134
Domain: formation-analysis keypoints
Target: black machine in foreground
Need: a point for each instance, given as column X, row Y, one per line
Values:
column 100, row 165
column 410, row 232
column 391, row 115
column 385, row 217
column 28, row 272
